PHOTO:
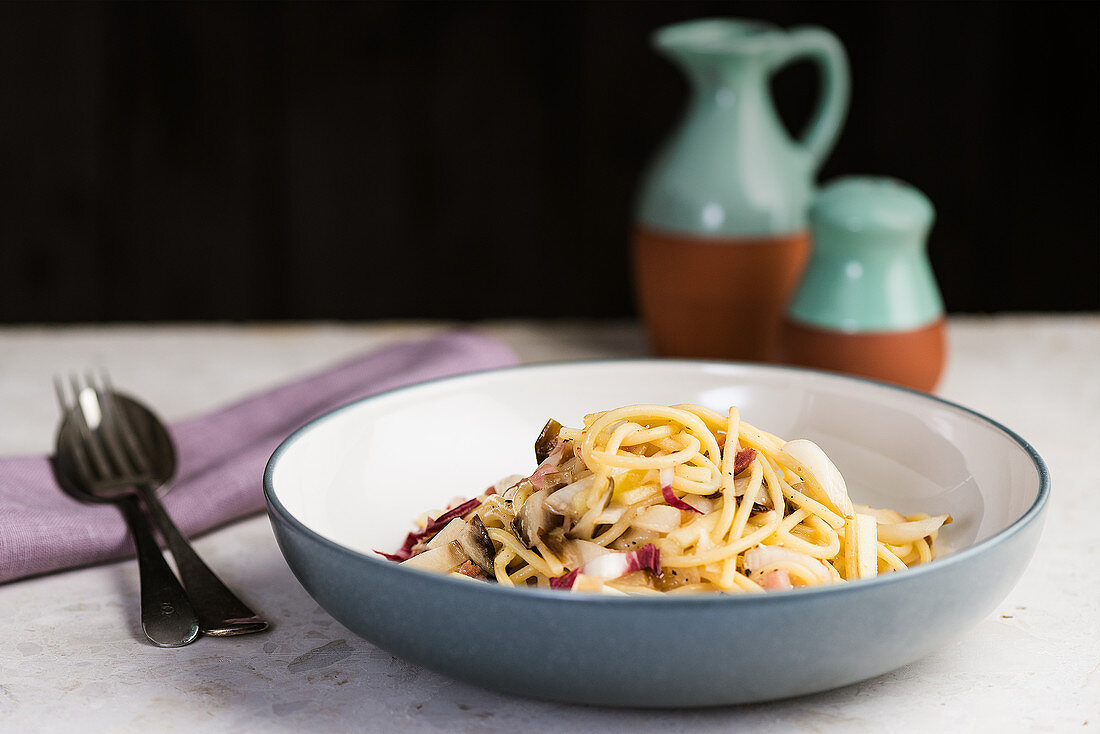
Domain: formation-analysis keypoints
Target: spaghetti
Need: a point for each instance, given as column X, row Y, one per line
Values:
column 650, row 499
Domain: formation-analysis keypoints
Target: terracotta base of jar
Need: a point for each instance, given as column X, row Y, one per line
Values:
column 911, row 358
column 721, row 298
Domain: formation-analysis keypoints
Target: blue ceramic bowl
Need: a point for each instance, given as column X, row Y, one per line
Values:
column 355, row 479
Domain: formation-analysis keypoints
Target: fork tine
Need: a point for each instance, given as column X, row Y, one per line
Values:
column 84, row 467
column 91, row 440
column 119, row 436
column 79, row 455
column 59, row 391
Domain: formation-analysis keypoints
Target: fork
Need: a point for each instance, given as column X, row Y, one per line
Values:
column 139, row 444
column 84, row 470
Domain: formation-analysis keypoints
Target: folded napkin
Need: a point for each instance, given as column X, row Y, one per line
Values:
column 221, row 458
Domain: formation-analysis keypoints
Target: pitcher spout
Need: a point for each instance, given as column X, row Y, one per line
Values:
column 715, row 50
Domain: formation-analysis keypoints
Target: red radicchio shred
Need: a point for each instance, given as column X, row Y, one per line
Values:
column 405, row 553
column 646, row 557
column 674, row 501
column 434, row 526
column 396, row 557
column 565, row 581
column 743, row 459
column 490, row 491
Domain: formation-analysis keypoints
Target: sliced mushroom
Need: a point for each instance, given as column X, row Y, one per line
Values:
column 565, row 474
column 547, row 440
column 533, row 519
column 476, row 544
column 555, row 541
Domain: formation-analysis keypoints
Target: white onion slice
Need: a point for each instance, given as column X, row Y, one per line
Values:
column 443, row 559
column 608, row 566
column 634, row 538
column 450, row 532
column 595, row 584
column 580, row 552
column 661, row 518
column 764, row 558
column 610, row 515
column 900, row 533
column 503, row 485
column 740, row 485
column 563, row 501
column 808, row 456
column 861, row 546
column 704, row 505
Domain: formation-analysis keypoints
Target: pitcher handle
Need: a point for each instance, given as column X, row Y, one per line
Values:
column 827, row 53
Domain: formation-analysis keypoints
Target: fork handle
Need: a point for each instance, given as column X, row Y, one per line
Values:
column 167, row 616
column 221, row 613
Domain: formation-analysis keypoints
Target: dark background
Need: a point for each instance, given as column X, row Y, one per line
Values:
column 353, row 161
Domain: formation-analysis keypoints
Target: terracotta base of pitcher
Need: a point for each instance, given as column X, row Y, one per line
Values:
column 720, row 298
column 912, row 358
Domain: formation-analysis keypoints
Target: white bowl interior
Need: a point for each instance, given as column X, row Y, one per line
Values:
column 361, row 476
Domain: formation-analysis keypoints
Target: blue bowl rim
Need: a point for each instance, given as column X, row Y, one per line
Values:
column 279, row 512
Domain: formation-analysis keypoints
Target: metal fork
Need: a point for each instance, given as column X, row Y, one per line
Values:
column 139, row 444
column 85, row 471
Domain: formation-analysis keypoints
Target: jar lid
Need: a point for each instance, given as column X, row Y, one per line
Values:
column 872, row 204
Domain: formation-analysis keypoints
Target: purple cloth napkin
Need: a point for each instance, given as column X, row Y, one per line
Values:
column 221, row 458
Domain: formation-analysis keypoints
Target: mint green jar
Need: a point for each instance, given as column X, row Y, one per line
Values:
column 869, row 270
column 868, row 303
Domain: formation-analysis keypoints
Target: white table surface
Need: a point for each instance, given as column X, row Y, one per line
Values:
column 72, row 657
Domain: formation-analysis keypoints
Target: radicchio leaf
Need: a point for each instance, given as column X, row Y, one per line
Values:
column 405, row 552
column 674, row 501
column 742, row 460
column 564, row 581
column 614, row 565
column 433, row 527
column 646, row 558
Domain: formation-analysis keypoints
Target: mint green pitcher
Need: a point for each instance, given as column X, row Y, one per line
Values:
column 720, row 226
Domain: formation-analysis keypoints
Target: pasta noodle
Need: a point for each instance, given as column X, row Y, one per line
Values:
column 681, row 499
